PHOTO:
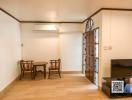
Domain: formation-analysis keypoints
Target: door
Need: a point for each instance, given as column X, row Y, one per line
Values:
column 92, row 57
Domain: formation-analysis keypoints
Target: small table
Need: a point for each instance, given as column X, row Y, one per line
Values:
column 38, row 64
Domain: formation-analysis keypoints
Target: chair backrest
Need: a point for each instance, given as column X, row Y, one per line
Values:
column 55, row 64
column 26, row 65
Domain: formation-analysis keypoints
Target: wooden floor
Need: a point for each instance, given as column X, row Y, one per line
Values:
column 69, row 87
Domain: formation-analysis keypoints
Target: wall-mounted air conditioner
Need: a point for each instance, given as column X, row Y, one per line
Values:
column 45, row 27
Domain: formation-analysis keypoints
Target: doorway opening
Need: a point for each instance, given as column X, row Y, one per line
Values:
column 91, row 55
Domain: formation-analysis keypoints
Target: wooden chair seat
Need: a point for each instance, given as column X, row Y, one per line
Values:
column 26, row 66
column 55, row 66
column 50, row 68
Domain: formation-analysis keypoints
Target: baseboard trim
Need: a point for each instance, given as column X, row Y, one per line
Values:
column 6, row 89
column 65, row 72
column 71, row 72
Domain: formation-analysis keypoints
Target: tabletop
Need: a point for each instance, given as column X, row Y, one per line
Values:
column 40, row 63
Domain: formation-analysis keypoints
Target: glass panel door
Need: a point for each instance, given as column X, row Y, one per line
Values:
column 91, row 55
column 96, row 33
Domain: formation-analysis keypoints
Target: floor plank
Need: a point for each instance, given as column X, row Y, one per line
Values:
column 69, row 87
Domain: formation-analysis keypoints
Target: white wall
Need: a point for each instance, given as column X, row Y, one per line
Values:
column 71, row 46
column 39, row 45
column 115, row 38
column 10, row 49
column 43, row 46
column 71, row 51
column 117, row 33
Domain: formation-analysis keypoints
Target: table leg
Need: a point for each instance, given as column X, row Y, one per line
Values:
column 34, row 73
column 44, row 71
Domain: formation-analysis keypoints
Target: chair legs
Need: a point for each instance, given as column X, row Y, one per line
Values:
column 22, row 75
column 32, row 74
column 59, row 72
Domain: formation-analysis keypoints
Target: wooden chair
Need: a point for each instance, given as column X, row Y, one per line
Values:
column 26, row 66
column 55, row 66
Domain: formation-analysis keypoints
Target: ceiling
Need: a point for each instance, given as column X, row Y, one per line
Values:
column 58, row 10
